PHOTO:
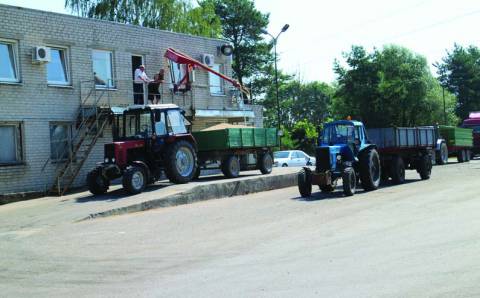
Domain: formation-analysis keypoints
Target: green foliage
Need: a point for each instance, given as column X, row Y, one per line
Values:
column 298, row 101
column 173, row 15
column 460, row 73
column 304, row 136
column 388, row 87
column 242, row 26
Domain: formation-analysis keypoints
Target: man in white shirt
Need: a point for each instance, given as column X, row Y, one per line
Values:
column 140, row 78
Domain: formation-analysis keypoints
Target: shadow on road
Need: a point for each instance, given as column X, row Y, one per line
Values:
column 318, row 195
column 118, row 194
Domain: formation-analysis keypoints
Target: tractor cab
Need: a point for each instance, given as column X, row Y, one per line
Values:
column 140, row 122
column 147, row 140
column 343, row 152
column 343, row 140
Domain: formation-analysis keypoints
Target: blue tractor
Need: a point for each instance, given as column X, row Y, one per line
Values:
column 344, row 152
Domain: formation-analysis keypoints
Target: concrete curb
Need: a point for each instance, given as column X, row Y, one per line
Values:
column 207, row 192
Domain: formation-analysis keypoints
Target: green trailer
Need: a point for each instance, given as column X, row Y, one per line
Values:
column 236, row 149
column 454, row 141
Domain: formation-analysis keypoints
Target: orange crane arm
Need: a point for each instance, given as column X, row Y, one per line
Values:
column 181, row 58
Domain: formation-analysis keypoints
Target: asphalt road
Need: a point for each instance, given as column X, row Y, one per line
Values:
column 420, row 239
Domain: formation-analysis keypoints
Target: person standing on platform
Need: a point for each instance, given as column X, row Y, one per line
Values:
column 140, row 80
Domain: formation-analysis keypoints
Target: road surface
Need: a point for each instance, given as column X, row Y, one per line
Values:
column 420, row 239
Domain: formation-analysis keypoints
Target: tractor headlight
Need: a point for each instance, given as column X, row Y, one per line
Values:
column 106, row 159
column 339, row 157
column 113, row 159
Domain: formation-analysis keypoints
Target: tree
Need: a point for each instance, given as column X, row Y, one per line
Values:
column 388, row 87
column 172, row 15
column 304, row 135
column 242, row 26
column 459, row 73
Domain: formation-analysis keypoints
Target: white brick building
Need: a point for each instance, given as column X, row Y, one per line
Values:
column 40, row 102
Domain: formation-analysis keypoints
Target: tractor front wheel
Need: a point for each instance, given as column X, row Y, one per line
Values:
column 134, row 179
column 349, row 181
column 305, row 183
column 97, row 183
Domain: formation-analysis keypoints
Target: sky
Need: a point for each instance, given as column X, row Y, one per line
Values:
column 320, row 31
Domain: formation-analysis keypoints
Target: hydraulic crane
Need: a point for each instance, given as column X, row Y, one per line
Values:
column 190, row 64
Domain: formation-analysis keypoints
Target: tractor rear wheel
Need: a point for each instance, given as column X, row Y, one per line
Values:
column 370, row 169
column 134, row 179
column 97, row 183
column 425, row 167
column 180, row 162
column 305, row 183
column 397, row 170
column 230, row 166
column 265, row 163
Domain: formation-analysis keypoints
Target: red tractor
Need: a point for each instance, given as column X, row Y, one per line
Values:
column 147, row 140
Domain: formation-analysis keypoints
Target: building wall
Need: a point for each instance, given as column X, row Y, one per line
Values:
column 35, row 104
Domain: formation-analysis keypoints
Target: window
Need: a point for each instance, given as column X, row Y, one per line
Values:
column 138, row 125
column 11, row 143
column 160, row 126
column 215, row 82
column 102, row 68
column 57, row 68
column 281, row 154
column 60, row 140
column 8, row 61
column 176, row 123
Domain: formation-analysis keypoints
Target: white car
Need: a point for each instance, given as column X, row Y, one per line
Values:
column 292, row 158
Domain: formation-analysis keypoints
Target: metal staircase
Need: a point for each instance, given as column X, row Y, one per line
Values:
column 91, row 120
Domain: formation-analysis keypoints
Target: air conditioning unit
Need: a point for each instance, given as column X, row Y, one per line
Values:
column 41, row 54
column 208, row 59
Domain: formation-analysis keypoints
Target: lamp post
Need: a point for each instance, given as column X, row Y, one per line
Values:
column 275, row 38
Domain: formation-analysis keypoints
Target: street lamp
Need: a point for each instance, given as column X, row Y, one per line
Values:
column 284, row 28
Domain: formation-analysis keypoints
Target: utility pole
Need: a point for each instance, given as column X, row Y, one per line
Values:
column 279, row 117
column 444, row 108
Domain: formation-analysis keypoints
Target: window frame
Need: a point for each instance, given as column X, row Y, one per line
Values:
column 68, row 76
column 19, row 146
column 221, row 69
column 112, row 70
column 16, row 61
column 69, row 139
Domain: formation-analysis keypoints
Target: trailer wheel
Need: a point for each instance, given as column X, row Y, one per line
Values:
column 265, row 163
column 442, row 158
column 305, row 183
column 231, row 166
column 134, row 179
column 370, row 172
column 467, row 155
column 180, row 162
column 97, row 183
column 349, row 182
column 397, row 170
column 461, row 156
column 425, row 167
